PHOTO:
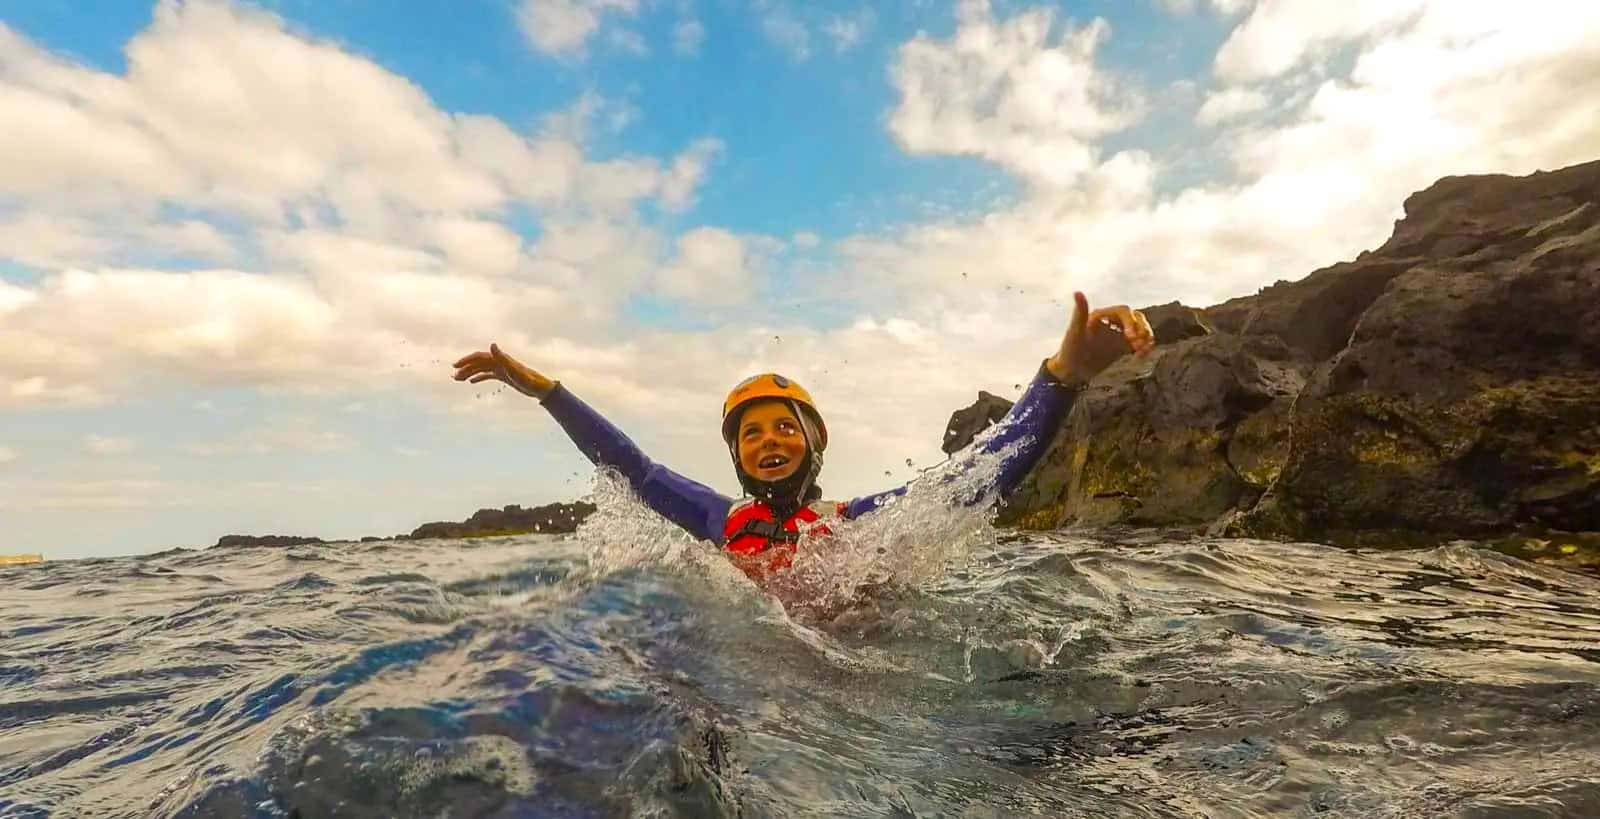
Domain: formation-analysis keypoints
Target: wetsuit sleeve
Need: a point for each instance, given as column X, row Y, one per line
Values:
column 698, row 508
column 1033, row 421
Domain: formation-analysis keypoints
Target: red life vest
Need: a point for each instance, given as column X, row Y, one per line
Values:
column 759, row 544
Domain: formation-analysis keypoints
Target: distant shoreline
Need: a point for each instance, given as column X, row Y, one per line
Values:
column 551, row 518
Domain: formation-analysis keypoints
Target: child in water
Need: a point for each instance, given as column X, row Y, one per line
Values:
column 776, row 439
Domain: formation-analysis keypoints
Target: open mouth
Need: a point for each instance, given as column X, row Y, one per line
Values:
column 773, row 461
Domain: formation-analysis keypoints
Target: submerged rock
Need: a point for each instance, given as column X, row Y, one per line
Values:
column 1444, row 385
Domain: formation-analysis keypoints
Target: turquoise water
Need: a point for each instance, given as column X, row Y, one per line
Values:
column 959, row 672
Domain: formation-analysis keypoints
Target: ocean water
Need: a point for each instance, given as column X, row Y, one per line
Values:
column 921, row 664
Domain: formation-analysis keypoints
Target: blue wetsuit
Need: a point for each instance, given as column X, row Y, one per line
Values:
column 703, row 511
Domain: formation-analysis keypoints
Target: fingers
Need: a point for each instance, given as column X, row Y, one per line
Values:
column 473, row 365
column 480, row 377
column 463, row 361
column 1144, row 337
column 1131, row 324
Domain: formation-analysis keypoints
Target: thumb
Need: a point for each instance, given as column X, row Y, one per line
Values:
column 1080, row 314
column 494, row 350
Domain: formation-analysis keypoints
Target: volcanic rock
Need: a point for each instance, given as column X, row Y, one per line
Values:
column 553, row 518
column 965, row 424
column 268, row 541
column 1446, row 384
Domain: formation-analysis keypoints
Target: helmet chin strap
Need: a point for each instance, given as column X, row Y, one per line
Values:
column 795, row 490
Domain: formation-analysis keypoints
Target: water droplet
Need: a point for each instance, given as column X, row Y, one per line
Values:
column 908, row 462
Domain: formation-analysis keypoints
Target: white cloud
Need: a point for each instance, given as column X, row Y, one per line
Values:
column 1278, row 36
column 806, row 239
column 1231, row 103
column 80, row 334
column 476, row 246
column 1457, row 88
column 378, row 218
column 687, row 37
column 712, row 266
column 562, row 27
column 108, row 445
column 688, row 169
column 1012, row 92
column 846, row 32
column 7, row 455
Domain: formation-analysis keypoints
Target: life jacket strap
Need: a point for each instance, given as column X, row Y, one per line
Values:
column 770, row 531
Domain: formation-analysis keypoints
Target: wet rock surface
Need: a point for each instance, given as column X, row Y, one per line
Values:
column 1446, row 384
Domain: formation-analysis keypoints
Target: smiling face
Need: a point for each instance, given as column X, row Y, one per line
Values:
column 771, row 442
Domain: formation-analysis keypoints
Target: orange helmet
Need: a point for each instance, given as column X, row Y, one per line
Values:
column 770, row 386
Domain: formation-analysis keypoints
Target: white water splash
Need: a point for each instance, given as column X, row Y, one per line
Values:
column 908, row 542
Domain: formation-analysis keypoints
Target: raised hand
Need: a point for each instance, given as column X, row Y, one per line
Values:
column 1096, row 339
column 495, row 365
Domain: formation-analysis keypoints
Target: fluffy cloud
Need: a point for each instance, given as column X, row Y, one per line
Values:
column 85, row 334
column 373, row 216
column 562, row 27
column 1442, row 88
column 712, row 265
column 1231, row 103
column 1279, row 36
column 326, row 137
column 7, row 455
column 1014, row 92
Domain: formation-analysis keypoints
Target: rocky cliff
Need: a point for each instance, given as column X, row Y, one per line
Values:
column 1446, row 384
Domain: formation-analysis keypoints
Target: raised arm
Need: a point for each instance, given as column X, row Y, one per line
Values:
column 1093, row 341
column 694, row 506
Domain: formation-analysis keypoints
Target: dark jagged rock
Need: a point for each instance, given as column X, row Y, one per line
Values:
column 553, row 518
column 1446, row 384
column 965, row 424
column 267, row 541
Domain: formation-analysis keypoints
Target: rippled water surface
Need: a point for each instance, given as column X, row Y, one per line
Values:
column 1063, row 674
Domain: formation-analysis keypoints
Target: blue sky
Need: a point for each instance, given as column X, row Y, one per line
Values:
column 240, row 243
